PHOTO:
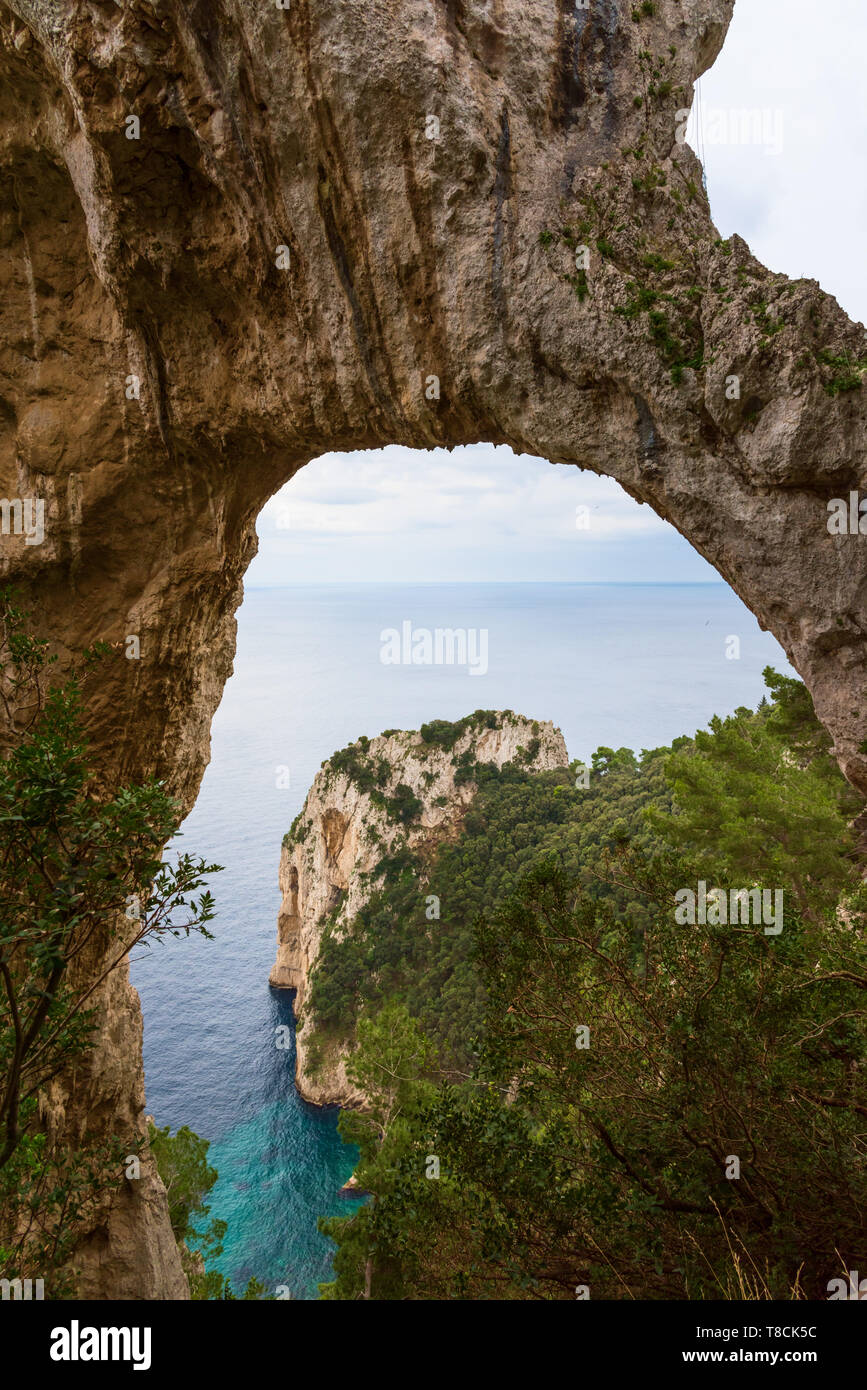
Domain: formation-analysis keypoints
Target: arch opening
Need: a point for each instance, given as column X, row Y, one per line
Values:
column 573, row 633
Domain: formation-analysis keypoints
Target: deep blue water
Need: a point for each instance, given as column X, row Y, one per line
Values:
column 610, row 664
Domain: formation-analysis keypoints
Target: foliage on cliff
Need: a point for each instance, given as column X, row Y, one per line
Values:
column 679, row 1154
column 444, row 733
column 80, row 873
column 393, row 949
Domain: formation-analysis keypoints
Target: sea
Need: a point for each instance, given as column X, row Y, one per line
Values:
column 610, row 664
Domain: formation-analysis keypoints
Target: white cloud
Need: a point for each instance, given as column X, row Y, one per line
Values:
column 398, row 491
column 477, row 512
column 804, row 210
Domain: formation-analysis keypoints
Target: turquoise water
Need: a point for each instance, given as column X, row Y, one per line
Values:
column 277, row 1170
column 610, row 664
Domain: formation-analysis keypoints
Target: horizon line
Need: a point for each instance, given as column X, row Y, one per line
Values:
column 503, row 583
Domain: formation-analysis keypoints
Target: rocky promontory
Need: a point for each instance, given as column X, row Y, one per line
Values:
column 402, row 790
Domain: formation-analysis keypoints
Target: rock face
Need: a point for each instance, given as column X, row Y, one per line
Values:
column 132, row 1246
column 237, row 236
column 330, row 857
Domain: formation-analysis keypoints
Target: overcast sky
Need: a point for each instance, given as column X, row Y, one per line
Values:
column 799, row 199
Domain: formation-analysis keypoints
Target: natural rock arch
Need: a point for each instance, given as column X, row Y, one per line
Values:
column 431, row 168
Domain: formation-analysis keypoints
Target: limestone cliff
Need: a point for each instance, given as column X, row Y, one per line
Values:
column 237, row 236
column 356, row 814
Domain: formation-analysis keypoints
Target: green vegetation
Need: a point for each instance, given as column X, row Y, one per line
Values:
column 404, row 806
column 679, row 347
column 641, row 299
column 734, row 788
column 710, row 1140
column 580, row 284
column 81, row 878
column 657, row 263
column 352, row 762
column 769, row 327
column 392, row 951
column 653, row 67
column 848, row 372
column 650, row 180
column 442, row 733
column 372, row 776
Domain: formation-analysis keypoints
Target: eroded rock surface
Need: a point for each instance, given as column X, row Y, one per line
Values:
column 350, row 822
column 326, row 207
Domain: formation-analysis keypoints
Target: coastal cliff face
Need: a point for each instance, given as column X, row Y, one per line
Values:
column 238, row 237
column 330, row 861
column 132, row 1245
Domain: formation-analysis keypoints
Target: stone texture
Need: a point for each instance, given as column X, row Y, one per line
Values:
column 329, row 860
column 131, row 1251
column 409, row 257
